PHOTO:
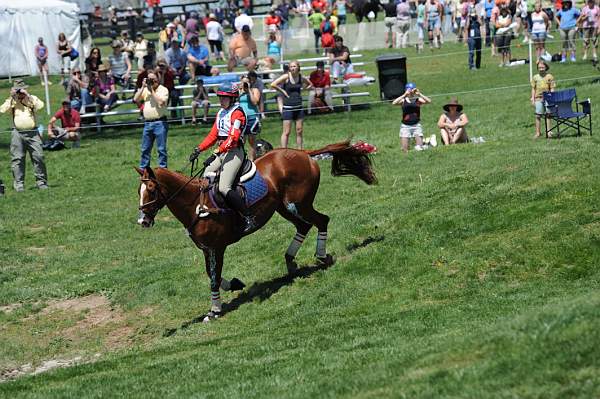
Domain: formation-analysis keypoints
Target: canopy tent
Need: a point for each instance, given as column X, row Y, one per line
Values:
column 86, row 6
column 22, row 22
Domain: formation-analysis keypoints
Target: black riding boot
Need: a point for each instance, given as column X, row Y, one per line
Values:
column 235, row 201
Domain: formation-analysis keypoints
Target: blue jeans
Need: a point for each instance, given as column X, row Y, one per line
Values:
column 475, row 50
column 80, row 103
column 154, row 130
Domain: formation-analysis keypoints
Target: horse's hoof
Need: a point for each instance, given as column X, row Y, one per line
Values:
column 236, row 285
column 292, row 266
column 326, row 260
column 212, row 315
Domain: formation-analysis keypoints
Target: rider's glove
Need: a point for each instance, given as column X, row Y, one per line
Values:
column 210, row 159
column 194, row 154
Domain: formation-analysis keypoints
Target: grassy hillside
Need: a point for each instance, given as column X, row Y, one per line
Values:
column 469, row 271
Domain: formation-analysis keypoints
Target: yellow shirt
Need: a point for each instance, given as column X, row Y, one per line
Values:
column 541, row 84
column 151, row 108
column 24, row 116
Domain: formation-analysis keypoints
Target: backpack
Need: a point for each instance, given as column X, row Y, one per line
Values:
column 327, row 28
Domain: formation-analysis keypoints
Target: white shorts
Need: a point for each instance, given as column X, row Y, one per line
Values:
column 200, row 103
column 409, row 131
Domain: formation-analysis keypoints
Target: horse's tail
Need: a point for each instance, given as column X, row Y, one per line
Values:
column 348, row 160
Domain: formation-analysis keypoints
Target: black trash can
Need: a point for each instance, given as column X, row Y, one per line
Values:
column 392, row 75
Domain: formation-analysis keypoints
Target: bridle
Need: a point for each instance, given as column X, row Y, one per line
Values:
column 161, row 196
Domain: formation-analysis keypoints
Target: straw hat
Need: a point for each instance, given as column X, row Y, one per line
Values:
column 103, row 68
column 453, row 103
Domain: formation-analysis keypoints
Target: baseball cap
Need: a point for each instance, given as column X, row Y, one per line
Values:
column 245, row 28
column 410, row 86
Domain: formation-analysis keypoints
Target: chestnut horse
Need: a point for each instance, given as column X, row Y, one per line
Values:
column 292, row 178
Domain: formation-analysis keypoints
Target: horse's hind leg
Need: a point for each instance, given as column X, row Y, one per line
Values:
column 302, row 227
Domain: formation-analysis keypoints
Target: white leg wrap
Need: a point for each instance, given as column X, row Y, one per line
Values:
column 321, row 244
column 295, row 245
column 215, row 301
column 225, row 284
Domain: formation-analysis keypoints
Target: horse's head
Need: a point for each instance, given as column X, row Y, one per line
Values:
column 152, row 199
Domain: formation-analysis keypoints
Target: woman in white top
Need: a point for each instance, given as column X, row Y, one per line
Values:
column 540, row 23
column 140, row 49
column 214, row 34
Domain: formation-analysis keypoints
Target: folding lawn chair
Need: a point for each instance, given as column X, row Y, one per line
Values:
column 559, row 112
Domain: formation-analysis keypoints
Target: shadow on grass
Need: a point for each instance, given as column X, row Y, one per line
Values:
column 264, row 290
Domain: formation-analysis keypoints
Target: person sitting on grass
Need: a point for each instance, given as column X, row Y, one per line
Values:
column 452, row 123
column 411, row 102
column 200, row 99
column 540, row 83
column 70, row 121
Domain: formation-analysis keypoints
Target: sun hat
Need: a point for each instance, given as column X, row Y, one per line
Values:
column 103, row 68
column 453, row 103
column 410, row 86
column 212, row 16
column 116, row 44
column 170, row 25
column 19, row 84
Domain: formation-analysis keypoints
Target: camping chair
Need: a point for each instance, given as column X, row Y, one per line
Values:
column 559, row 112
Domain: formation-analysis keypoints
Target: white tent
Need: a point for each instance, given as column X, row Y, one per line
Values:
column 23, row 21
column 88, row 5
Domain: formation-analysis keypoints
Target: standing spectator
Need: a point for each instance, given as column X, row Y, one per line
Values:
column 452, row 124
column 128, row 44
column 78, row 90
column 566, row 18
column 132, row 17
column 242, row 48
column 540, row 24
column 120, row 66
column 339, row 57
column 540, row 83
column 321, row 84
column 105, row 89
column 200, row 99
column 340, row 7
column 493, row 20
column 215, row 35
column 489, row 6
column 150, row 57
column 114, row 21
column 290, row 85
column 433, row 22
column 243, row 20
column 93, row 62
column 504, row 35
column 315, row 19
column 284, row 9
column 590, row 22
column 70, row 121
column 64, row 51
column 166, row 35
column 272, row 19
column 473, row 29
column 389, row 21
column 402, row 26
column 249, row 101
column 177, row 60
column 41, row 56
column 411, row 102
column 191, row 27
column 140, row 49
column 327, row 29
column 155, row 97
column 321, row 5
column 274, row 43
column 25, row 136
column 197, row 55
column 421, row 25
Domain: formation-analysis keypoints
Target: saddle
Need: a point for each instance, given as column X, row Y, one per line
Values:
column 248, row 182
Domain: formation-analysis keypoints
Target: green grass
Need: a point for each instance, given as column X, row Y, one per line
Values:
column 469, row 271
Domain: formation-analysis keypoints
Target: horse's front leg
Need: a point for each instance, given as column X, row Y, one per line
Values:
column 213, row 258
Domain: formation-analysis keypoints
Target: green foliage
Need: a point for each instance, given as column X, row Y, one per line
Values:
column 469, row 271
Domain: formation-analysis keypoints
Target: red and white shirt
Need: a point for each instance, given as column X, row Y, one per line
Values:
column 228, row 127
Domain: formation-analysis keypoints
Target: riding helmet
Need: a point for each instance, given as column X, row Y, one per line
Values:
column 227, row 90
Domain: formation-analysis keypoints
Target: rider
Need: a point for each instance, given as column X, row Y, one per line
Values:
column 228, row 157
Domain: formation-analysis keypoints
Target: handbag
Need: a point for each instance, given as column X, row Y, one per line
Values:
column 74, row 54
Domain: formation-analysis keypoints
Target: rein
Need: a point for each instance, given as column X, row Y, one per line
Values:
column 192, row 177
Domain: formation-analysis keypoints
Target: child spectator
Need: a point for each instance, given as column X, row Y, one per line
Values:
column 540, row 83
column 411, row 102
column 200, row 99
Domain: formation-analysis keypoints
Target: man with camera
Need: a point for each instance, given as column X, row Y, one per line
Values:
column 25, row 136
column 154, row 98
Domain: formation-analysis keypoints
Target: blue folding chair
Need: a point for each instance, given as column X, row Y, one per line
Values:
column 559, row 112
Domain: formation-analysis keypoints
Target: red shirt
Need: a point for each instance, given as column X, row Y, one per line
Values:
column 272, row 20
column 320, row 79
column 68, row 121
column 320, row 4
column 228, row 122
